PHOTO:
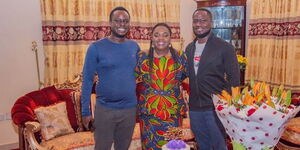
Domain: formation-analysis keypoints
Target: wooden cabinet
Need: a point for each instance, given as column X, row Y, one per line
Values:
column 229, row 22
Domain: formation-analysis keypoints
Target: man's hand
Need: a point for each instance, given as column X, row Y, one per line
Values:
column 86, row 121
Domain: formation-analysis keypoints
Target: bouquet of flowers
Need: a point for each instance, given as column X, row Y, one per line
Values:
column 254, row 117
column 242, row 62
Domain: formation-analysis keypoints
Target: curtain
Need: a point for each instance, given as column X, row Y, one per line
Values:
column 69, row 26
column 274, row 43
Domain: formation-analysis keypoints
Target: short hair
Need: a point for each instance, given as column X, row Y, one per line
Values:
column 204, row 9
column 116, row 9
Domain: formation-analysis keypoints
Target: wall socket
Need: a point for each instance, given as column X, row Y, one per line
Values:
column 5, row 116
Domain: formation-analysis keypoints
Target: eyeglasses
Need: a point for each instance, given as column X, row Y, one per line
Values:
column 200, row 21
column 120, row 21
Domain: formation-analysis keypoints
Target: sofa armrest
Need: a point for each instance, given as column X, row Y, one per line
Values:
column 32, row 127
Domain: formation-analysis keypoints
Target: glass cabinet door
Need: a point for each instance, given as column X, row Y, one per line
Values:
column 228, row 24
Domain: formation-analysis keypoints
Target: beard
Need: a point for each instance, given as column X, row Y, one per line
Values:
column 200, row 36
column 118, row 35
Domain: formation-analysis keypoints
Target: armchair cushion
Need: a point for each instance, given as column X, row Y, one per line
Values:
column 54, row 120
column 292, row 132
column 74, row 141
column 52, row 93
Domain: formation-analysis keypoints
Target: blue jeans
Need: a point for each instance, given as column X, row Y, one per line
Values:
column 208, row 130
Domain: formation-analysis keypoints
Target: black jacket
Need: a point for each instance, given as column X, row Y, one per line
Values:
column 218, row 69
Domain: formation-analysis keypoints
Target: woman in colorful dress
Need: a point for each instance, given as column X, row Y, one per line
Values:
column 160, row 103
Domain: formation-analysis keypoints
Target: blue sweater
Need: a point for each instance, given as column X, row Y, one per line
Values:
column 114, row 63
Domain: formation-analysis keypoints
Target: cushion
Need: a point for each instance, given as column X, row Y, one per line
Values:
column 282, row 146
column 22, row 110
column 54, row 120
column 52, row 93
column 78, row 140
column 134, row 145
column 292, row 132
column 187, row 132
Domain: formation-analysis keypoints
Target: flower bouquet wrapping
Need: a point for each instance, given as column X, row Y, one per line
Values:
column 254, row 117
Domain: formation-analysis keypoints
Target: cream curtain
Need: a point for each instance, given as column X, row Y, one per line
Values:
column 274, row 43
column 69, row 26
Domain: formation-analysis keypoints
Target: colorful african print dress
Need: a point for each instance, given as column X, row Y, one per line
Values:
column 160, row 104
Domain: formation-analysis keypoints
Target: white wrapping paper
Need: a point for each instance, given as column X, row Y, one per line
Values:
column 256, row 129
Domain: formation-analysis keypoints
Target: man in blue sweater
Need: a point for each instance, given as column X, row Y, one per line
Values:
column 113, row 59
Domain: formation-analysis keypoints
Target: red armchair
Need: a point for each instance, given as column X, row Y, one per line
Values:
column 24, row 117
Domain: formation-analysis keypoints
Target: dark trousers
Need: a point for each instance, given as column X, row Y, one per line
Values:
column 208, row 130
column 113, row 126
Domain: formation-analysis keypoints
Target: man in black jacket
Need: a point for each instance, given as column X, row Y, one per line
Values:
column 213, row 67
